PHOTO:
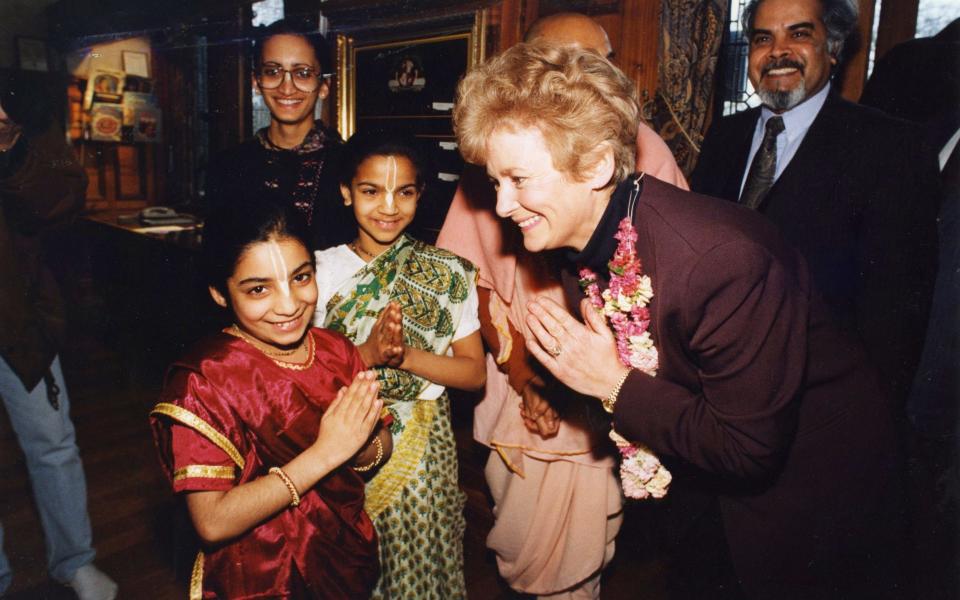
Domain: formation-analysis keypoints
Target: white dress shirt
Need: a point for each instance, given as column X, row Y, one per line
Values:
column 796, row 122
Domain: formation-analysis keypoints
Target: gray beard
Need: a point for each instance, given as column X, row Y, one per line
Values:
column 780, row 100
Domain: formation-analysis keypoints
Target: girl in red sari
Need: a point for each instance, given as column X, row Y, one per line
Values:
column 259, row 426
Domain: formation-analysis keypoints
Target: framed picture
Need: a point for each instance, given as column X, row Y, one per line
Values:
column 136, row 63
column 104, row 85
column 142, row 119
column 32, row 54
column 106, row 122
column 409, row 83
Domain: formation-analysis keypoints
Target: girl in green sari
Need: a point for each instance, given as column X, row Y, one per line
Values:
column 411, row 309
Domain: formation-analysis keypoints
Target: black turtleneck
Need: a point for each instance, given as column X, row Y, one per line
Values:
column 599, row 250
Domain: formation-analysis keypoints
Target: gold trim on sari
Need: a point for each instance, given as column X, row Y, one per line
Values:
column 191, row 420
column 384, row 489
column 204, row 472
column 196, row 578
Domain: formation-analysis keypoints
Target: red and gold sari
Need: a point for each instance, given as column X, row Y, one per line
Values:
column 227, row 414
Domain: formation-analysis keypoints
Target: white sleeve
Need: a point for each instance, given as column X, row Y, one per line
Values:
column 469, row 316
column 324, row 289
column 334, row 267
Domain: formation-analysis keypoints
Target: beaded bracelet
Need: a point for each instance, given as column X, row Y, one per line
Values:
column 376, row 461
column 294, row 494
column 611, row 398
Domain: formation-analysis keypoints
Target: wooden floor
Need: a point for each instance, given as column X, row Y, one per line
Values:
column 136, row 520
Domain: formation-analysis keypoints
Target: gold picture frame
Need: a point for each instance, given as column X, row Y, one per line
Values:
column 399, row 81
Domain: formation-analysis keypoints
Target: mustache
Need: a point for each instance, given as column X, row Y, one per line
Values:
column 780, row 64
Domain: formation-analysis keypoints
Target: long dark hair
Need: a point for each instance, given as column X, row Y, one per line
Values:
column 230, row 231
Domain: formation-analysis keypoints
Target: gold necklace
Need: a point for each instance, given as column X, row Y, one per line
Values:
column 311, row 354
column 259, row 345
column 355, row 246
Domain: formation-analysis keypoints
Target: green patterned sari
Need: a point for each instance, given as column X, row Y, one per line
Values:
column 414, row 500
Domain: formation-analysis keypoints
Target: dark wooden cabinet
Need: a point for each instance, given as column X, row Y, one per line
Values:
column 121, row 175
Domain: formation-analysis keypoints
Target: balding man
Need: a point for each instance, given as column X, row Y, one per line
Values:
column 574, row 29
column 549, row 540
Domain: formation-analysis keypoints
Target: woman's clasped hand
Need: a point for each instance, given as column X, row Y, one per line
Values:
column 582, row 356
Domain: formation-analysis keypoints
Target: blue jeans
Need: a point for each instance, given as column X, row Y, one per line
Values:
column 56, row 474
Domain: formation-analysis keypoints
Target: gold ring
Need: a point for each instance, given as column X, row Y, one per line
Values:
column 555, row 351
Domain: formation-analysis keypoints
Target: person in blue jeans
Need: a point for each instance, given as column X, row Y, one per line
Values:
column 41, row 187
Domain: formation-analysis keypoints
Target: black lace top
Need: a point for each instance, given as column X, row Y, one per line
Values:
column 302, row 178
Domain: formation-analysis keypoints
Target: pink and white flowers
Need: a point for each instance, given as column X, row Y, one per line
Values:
column 625, row 305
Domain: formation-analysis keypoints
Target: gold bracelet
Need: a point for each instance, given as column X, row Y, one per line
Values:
column 376, row 461
column 611, row 398
column 294, row 494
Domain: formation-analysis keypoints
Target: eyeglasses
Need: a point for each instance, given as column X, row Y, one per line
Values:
column 305, row 79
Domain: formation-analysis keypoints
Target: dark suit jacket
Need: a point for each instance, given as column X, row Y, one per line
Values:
column 919, row 78
column 859, row 200
column 759, row 400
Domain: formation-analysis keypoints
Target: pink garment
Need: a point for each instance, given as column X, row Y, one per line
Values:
column 547, row 539
column 552, row 539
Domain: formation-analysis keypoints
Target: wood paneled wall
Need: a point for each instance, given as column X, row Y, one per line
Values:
column 639, row 42
column 632, row 25
column 855, row 70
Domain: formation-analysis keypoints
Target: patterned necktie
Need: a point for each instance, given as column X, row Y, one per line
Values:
column 764, row 166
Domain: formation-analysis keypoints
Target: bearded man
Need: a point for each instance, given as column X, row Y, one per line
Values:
column 852, row 188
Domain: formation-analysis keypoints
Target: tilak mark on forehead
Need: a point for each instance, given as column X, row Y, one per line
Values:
column 390, row 180
column 279, row 267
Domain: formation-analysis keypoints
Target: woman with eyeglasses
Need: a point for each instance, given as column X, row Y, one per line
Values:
column 288, row 161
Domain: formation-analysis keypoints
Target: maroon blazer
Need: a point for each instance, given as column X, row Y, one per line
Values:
column 759, row 400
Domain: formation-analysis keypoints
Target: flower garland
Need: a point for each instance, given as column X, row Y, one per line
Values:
column 625, row 305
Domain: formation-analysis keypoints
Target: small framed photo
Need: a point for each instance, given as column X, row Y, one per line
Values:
column 106, row 122
column 104, row 85
column 32, row 54
column 407, row 83
column 136, row 63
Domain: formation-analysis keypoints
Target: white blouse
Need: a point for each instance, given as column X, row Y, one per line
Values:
column 335, row 266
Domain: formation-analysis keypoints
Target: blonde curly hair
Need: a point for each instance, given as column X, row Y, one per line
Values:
column 578, row 100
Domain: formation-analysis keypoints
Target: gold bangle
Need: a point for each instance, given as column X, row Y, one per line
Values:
column 376, row 461
column 294, row 494
column 611, row 398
